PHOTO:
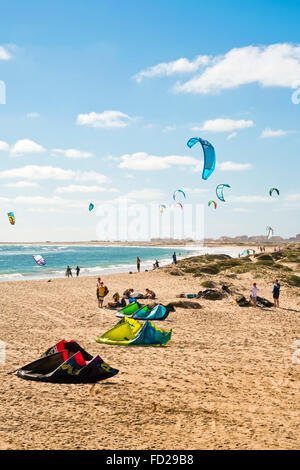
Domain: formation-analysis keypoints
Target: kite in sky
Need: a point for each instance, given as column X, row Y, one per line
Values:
column 11, row 217
column 178, row 204
column 178, row 191
column 162, row 208
column 272, row 190
column 270, row 232
column 212, row 202
column 219, row 191
column 91, row 206
column 39, row 260
column 209, row 155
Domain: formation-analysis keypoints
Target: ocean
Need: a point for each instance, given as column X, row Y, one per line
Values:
column 17, row 263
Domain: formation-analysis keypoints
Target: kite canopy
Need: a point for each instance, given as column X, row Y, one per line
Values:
column 159, row 312
column 247, row 252
column 212, row 202
column 162, row 208
column 177, row 192
column 272, row 190
column 39, row 260
column 178, row 204
column 219, row 191
column 67, row 362
column 91, row 206
column 209, row 155
column 270, row 232
column 130, row 332
column 11, row 217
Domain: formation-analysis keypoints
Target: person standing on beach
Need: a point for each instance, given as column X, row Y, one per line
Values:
column 276, row 292
column 253, row 294
column 69, row 271
column 174, row 258
column 77, row 271
column 138, row 264
column 102, row 291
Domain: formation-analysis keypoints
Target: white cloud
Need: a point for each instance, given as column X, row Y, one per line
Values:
column 74, row 188
column 105, row 120
column 148, row 194
column 72, row 153
column 232, row 166
column 4, row 54
column 33, row 115
column 293, row 197
column 231, row 136
column 26, row 146
column 169, row 128
column 273, row 65
column 48, row 201
column 178, row 66
column 4, row 146
column 223, row 125
column 270, row 133
column 21, row 184
column 251, row 199
column 143, row 161
column 35, row 172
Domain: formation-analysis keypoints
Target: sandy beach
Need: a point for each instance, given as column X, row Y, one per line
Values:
column 225, row 381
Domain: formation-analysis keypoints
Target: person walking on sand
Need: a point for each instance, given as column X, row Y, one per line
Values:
column 174, row 258
column 77, row 270
column 138, row 264
column 276, row 292
column 253, row 294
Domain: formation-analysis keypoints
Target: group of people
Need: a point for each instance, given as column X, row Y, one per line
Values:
column 156, row 264
column 275, row 292
column 69, row 271
column 130, row 294
column 102, row 292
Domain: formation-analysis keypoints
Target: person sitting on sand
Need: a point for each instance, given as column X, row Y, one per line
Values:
column 149, row 294
column 276, row 292
column 117, row 303
column 127, row 293
column 253, row 294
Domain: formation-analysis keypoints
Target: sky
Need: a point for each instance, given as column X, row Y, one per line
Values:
column 99, row 98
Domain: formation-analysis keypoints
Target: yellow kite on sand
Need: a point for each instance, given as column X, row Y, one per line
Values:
column 130, row 332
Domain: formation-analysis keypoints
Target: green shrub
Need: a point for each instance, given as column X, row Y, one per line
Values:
column 208, row 284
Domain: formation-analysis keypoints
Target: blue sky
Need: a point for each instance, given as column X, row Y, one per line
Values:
column 101, row 98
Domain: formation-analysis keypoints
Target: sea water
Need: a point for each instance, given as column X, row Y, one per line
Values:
column 17, row 263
